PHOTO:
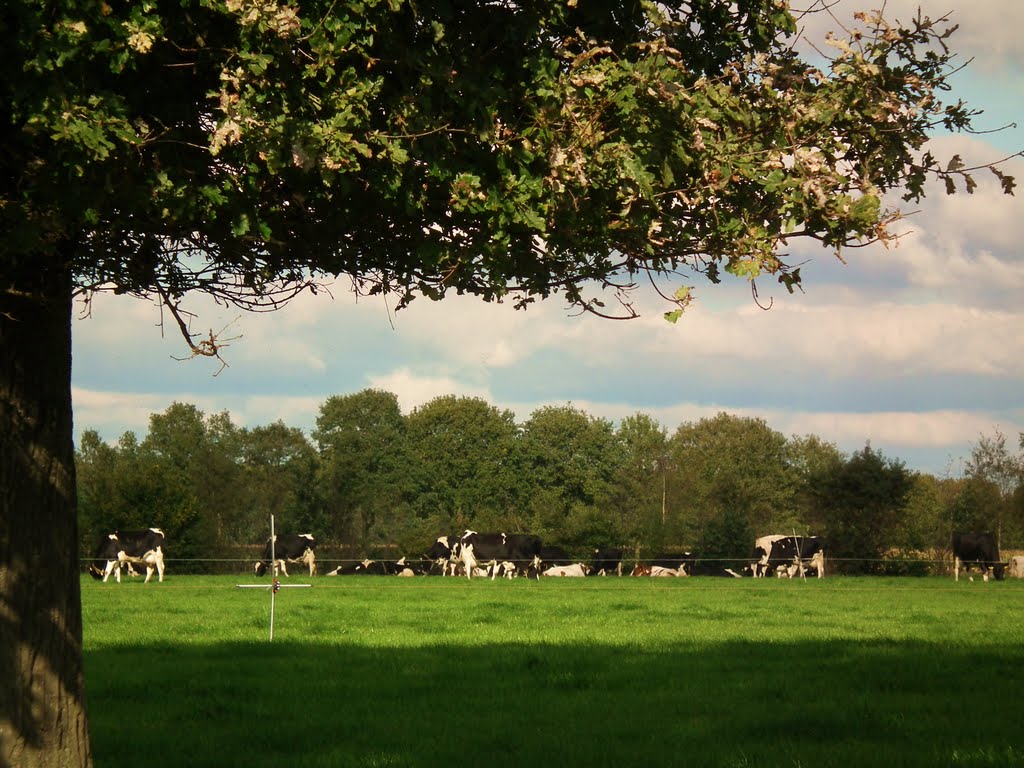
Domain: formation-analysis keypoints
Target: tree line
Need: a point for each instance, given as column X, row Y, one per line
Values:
column 371, row 481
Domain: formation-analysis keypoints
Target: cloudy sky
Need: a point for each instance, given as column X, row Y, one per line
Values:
column 918, row 350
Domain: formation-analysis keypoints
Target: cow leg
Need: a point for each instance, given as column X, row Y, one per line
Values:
column 309, row 559
column 469, row 560
column 956, row 568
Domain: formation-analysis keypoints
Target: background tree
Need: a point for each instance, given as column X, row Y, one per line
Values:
column 864, row 501
column 363, row 454
column 571, row 459
column 279, row 469
column 100, row 499
column 638, row 494
column 498, row 149
column 993, row 464
column 729, row 465
column 811, row 459
column 193, row 478
column 461, row 453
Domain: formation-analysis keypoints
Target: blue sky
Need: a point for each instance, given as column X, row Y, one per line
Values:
column 918, row 349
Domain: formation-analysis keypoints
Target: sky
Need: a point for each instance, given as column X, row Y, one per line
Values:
column 917, row 350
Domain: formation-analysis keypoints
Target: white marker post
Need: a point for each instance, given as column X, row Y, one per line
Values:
column 274, row 585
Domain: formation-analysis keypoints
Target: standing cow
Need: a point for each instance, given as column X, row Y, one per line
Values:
column 788, row 556
column 119, row 548
column 288, row 548
column 488, row 549
column 605, row 561
column 978, row 549
column 442, row 554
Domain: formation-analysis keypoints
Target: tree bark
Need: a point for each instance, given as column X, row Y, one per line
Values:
column 43, row 720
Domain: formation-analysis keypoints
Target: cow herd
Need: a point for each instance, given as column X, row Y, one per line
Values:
column 510, row 555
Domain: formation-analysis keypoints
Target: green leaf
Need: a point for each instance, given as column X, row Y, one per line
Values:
column 673, row 316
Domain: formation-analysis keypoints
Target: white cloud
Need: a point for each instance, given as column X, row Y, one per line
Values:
column 988, row 29
column 113, row 413
column 414, row 391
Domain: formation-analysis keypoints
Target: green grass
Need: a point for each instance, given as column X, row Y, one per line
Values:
column 382, row 671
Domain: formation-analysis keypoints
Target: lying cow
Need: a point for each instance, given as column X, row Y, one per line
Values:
column 288, row 548
column 977, row 549
column 642, row 569
column 680, row 562
column 571, row 571
column 119, row 548
column 551, row 556
column 370, row 567
column 1017, row 567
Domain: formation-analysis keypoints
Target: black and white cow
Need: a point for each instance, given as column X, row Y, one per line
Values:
column 978, row 549
column 605, row 561
column 487, row 550
column 442, row 555
column 680, row 562
column 573, row 570
column 288, row 548
column 119, row 548
column 370, row 567
column 646, row 569
column 782, row 555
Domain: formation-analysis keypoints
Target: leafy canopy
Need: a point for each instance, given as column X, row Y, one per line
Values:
column 252, row 149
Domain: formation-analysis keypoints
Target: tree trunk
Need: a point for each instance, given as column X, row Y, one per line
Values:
column 42, row 706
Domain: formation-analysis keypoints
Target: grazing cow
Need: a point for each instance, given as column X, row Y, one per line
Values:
column 572, row 571
column 488, row 549
column 288, row 548
column 978, row 549
column 605, row 561
column 777, row 551
column 122, row 547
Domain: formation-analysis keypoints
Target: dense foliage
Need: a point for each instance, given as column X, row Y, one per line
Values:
column 374, row 481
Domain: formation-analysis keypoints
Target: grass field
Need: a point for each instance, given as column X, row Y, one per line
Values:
column 383, row 671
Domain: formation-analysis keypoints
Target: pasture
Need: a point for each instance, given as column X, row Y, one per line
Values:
column 382, row 671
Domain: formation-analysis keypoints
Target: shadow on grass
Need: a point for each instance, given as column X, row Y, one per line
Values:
column 736, row 704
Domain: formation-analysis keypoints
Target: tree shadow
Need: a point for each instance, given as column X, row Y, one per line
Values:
column 743, row 703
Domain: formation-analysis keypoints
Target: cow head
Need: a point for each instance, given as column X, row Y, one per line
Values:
column 999, row 571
